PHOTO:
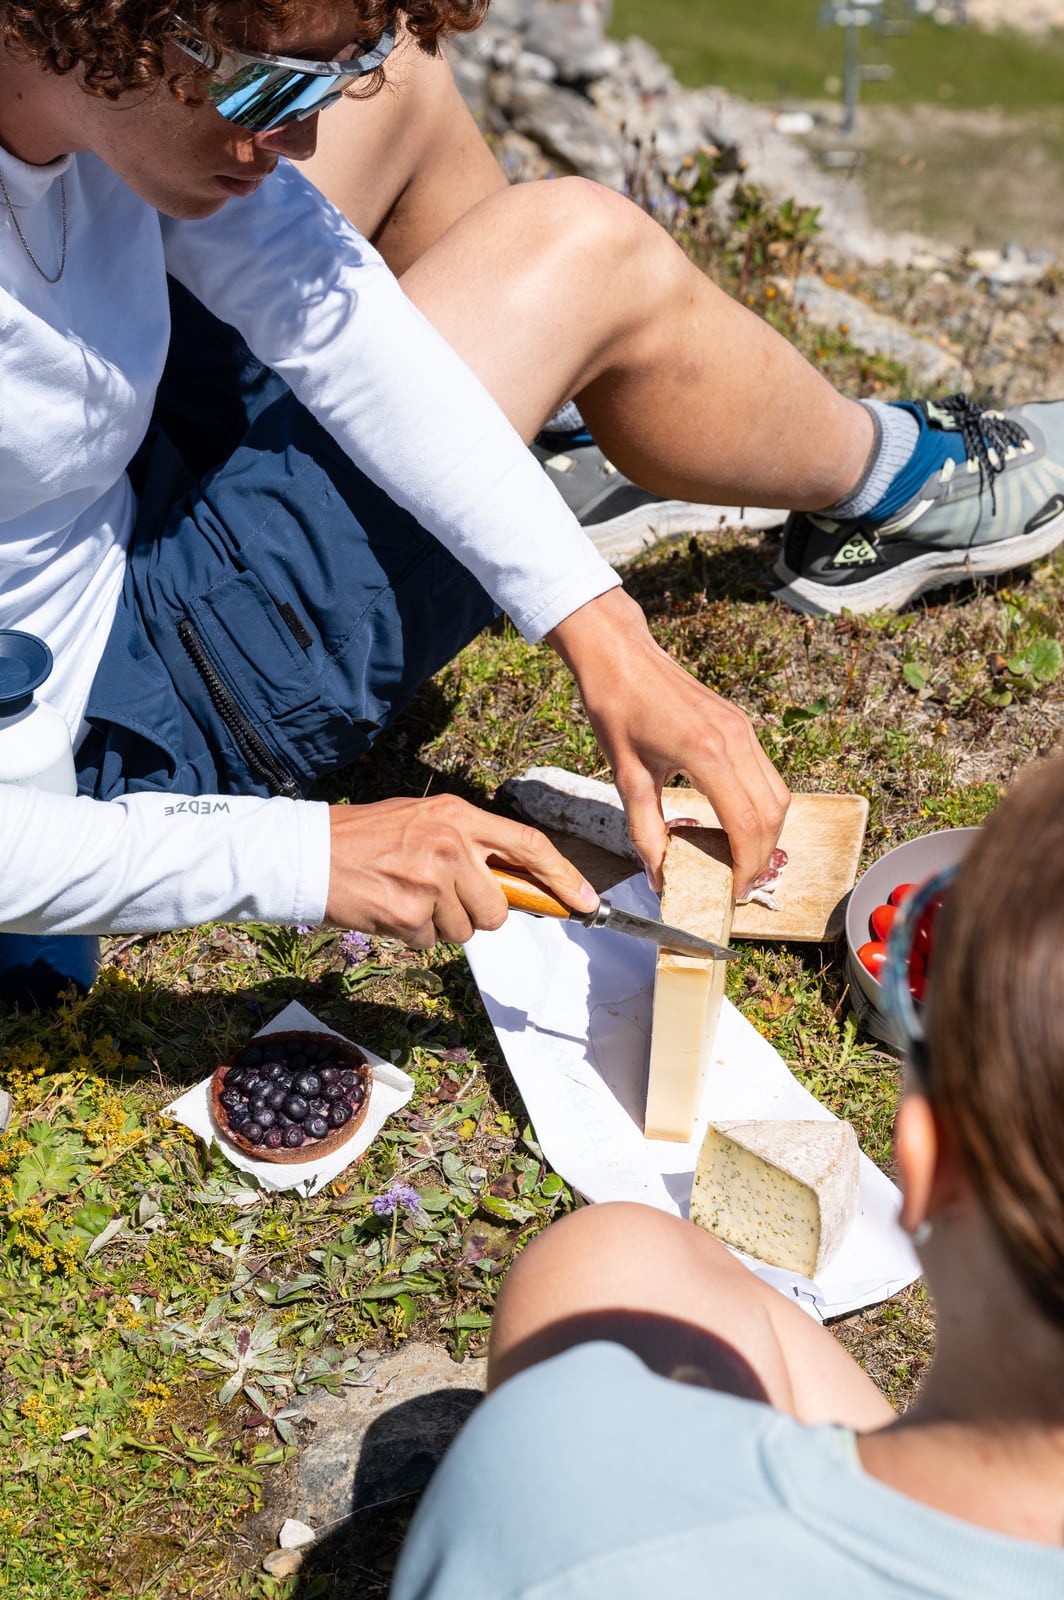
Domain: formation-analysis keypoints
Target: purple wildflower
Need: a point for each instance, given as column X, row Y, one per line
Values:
column 354, row 947
column 302, row 927
column 399, row 1196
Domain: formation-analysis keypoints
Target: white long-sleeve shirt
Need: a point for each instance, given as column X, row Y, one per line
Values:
column 80, row 362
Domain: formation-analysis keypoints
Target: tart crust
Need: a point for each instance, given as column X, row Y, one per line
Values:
column 351, row 1060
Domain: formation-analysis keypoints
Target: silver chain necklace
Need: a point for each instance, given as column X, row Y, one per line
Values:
column 22, row 236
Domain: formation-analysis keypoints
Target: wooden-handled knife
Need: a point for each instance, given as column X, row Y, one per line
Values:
column 525, row 894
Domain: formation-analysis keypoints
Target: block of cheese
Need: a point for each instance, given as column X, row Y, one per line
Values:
column 697, row 896
column 785, row 1192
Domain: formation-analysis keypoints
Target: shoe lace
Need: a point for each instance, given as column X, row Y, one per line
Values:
column 982, row 432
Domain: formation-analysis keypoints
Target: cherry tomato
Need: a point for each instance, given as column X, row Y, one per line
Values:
column 872, row 956
column 900, row 893
column 917, row 983
column 882, row 919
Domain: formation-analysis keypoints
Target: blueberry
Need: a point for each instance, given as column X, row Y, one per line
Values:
column 253, row 1132
column 234, row 1077
column 318, row 1106
column 238, row 1115
column 266, row 1118
column 296, row 1107
column 285, row 1121
column 254, row 1084
column 316, row 1127
column 276, row 1097
column 356, row 1095
column 296, row 1062
column 272, row 1050
column 250, row 1057
column 339, row 1114
column 231, row 1098
column 274, row 1070
column 333, row 1091
column 293, row 1137
column 258, row 1106
column 328, row 1075
column 274, row 1139
column 306, row 1083
column 349, row 1079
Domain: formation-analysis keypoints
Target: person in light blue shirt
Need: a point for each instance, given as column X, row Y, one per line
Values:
column 661, row 1422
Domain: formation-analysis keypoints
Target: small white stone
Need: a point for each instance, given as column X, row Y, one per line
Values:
column 282, row 1563
column 294, row 1534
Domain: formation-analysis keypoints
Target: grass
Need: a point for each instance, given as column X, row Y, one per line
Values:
column 162, row 1318
column 777, row 51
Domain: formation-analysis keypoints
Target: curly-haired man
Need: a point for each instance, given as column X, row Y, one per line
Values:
column 247, row 548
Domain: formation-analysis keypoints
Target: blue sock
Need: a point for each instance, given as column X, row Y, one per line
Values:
column 907, row 451
column 933, row 448
column 566, row 425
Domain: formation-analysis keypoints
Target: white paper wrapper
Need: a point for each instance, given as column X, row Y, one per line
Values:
column 572, row 1006
column 391, row 1089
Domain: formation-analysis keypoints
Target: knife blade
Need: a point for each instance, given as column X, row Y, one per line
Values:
column 525, row 894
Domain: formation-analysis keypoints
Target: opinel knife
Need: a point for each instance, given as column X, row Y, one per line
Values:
column 525, row 894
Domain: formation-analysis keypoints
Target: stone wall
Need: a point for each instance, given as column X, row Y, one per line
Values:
column 556, row 95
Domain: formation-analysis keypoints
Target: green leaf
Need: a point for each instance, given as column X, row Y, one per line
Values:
column 424, row 979
column 283, row 1294
column 795, row 716
column 470, row 1319
column 915, row 675
column 1045, row 659
column 45, row 1170
column 91, row 1219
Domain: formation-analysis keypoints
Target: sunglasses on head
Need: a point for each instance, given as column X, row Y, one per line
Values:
column 903, row 1010
column 259, row 92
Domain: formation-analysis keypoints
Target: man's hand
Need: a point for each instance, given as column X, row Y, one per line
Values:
column 653, row 720
column 418, row 870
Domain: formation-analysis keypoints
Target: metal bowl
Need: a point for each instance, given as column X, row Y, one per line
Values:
column 912, row 862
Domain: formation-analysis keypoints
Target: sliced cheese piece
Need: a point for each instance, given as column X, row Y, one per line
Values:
column 698, row 896
column 785, row 1192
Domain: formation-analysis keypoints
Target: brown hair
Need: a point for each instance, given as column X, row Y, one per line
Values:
column 118, row 44
column 995, row 1027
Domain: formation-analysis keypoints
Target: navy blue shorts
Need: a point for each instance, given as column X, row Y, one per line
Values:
column 278, row 608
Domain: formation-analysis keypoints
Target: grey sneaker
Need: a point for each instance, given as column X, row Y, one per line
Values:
column 620, row 518
column 1000, row 508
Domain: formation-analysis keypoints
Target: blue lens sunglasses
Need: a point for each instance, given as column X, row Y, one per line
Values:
column 260, row 92
column 903, row 1011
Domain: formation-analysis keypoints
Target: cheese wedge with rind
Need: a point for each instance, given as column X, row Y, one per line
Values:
column 784, row 1192
column 698, row 895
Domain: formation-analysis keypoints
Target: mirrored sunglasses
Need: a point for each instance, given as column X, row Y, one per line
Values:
column 259, row 92
column 912, row 928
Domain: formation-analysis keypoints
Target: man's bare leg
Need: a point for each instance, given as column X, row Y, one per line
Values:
column 673, row 1295
column 563, row 289
column 406, row 163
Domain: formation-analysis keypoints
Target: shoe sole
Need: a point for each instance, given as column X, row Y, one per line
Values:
column 621, row 538
column 891, row 591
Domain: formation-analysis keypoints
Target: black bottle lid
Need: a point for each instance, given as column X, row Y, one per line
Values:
column 25, row 662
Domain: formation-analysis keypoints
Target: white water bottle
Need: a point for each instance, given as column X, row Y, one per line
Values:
column 35, row 743
column 35, row 749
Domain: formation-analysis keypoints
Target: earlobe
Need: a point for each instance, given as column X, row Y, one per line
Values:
column 916, row 1151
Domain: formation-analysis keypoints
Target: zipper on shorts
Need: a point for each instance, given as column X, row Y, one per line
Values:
column 256, row 752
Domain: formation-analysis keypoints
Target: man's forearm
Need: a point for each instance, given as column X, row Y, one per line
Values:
column 148, row 862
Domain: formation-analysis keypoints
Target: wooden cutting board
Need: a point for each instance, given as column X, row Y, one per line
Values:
column 823, row 835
